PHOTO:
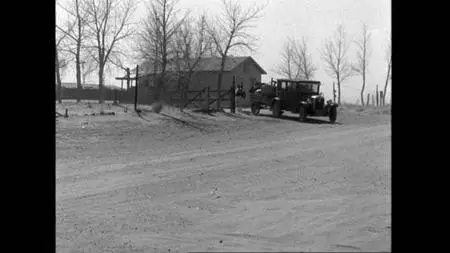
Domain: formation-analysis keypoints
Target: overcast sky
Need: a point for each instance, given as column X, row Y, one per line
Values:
column 315, row 19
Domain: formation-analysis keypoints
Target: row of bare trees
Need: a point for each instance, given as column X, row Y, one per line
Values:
column 92, row 35
column 296, row 62
column 179, row 39
column 95, row 30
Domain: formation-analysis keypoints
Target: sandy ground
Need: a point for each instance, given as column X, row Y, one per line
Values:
column 179, row 182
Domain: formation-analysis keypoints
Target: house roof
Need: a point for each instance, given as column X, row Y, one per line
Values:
column 207, row 64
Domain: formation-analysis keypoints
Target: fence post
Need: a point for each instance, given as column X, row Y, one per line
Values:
column 136, row 86
column 368, row 99
column 381, row 98
column 233, row 96
column 376, row 94
column 128, row 78
column 207, row 98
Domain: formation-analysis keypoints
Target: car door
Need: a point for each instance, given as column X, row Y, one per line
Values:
column 282, row 93
column 292, row 96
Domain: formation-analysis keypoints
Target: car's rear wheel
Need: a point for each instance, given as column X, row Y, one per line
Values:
column 255, row 108
column 302, row 114
column 333, row 114
column 276, row 109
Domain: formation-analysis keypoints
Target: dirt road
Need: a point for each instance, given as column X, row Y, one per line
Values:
column 283, row 187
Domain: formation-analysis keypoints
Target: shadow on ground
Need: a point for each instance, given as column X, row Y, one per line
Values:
column 309, row 120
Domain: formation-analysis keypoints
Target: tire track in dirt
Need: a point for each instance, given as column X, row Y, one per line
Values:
column 221, row 165
column 227, row 156
column 148, row 158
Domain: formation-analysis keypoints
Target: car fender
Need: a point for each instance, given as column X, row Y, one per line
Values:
column 330, row 103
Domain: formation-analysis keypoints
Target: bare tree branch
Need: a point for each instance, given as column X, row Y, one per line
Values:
column 334, row 54
column 363, row 54
column 75, row 30
column 109, row 23
column 155, row 41
column 231, row 31
column 191, row 44
column 287, row 67
column 303, row 60
column 296, row 60
column 389, row 62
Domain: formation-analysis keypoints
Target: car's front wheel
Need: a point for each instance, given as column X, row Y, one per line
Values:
column 333, row 114
column 276, row 109
column 302, row 114
column 255, row 108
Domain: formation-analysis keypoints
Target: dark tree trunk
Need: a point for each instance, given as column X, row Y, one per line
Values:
column 339, row 93
column 58, row 78
column 338, row 79
column 100, row 83
column 219, row 81
column 78, row 74
column 387, row 79
column 77, row 56
column 362, row 90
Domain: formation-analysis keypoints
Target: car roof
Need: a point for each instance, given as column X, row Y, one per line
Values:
column 298, row 81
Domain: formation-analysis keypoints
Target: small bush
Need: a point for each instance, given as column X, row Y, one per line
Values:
column 157, row 107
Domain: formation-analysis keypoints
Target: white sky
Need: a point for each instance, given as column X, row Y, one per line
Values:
column 315, row 19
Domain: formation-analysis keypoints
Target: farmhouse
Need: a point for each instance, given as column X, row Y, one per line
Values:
column 245, row 69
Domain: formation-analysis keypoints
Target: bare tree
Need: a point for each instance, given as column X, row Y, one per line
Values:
column 154, row 41
column 74, row 30
column 231, row 30
column 334, row 54
column 287, row 68
column 88, row 66
column 109, row 23
column 296, row 60
column 61, row 61
column 389, row 61
column 191, row 44
column 303, row 60
column 57, row 70
column 363, row 54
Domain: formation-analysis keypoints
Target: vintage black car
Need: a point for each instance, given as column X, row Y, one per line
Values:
column 302, row 97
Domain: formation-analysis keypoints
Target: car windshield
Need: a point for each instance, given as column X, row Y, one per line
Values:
column 310, row 87
column 315, row 87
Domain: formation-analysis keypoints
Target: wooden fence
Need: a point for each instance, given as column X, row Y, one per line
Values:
column 88, row 94
column 204, row 98
column 378, row 99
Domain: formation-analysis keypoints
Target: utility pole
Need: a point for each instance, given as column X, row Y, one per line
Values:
column 376, row 94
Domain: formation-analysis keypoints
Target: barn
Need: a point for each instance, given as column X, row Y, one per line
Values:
column 245, row 69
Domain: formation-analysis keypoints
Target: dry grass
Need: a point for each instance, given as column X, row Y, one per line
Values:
column 366, row 109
